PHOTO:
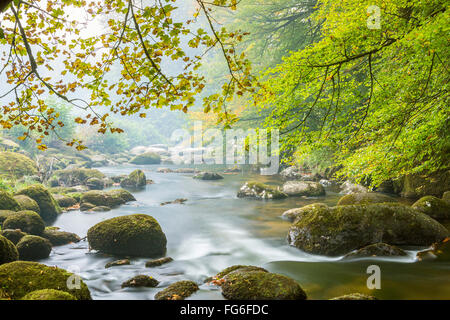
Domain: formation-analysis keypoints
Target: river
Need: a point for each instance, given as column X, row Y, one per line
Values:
column 214, row 230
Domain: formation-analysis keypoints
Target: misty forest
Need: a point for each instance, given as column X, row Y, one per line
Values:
column 107, row 192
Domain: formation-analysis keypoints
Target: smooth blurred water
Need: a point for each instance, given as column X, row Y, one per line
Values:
column 215, row 230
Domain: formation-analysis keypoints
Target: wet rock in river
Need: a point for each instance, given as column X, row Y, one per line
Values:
column 177, row 291
column 33, row 248
column 348, row 188
column 60, row 238
column 158, row 262
column 26, row 203
column 164, row 170
column 86, row 206
column 22, row 277
column 8, row 251
column 65, row 201
column 101, row 209
column 218, row 277
column 377, row 250
column 434, row 207
column 48, row 294
column 260, row 285
column 177, row 201
column 208, row 176
column 364, row 198
column 141, row 281
column 13, row 235
column 439, row 251
column 303, row 188
column 136, row 179
column 146, row 158
column 27, row 221
column 7, row 202
column 123, row 262
column 260, row 191
column 95, row 184
column 133, row 235
column 291, row 173
column 335, row 231
column 293, row 214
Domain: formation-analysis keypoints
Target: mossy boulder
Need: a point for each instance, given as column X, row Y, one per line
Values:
column 260, row 191
column 303, row 188
column 49, row 208
column 27, row 221
column 355, row 296
column 146, row 158
column 22, row 277
column 7, row 202
column 16, row 165
column 226, row 271
column 8, row 251
column 77, row 176
column 60, row 238
column 121, row 196
column 97, row 198
column 26, row 203
column 100, row 209
column 48, row 294
column 421, row 185
column 178, row 291
column 65, row 201
column 364, row 198
column 13, row 235
column 32, row 248
column 86, row 206
column 4, row 214
column 293, row 214
column 377, row 250
column 436, row 208
column 136, row 179
column 335, row 231
column 95, row 184
column 141, row 281
column 208, row 176
column 260, row 285
column 446, row 196
column 133, row 235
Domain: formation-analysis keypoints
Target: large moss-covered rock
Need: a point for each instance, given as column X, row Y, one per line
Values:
column 121, row 196
column 13, row 235
column 32, row 248
column 446, row 196
column 338, row 230
column 16, row 165
column 4, row 214
column 8, row 251
column 146, row 158
column 177, row 291
column 136, row 179
column 260, row 191
column 60, row 238
column 95, row 184
column 377, row 250
column 7, row 202
column 97, row 198
column 436, row 208
column 49, row 208
column 208, row 176
column 303, row 188
column 65, row 201
column 22, row 277
column 133, row 235
column 364, row 198
column 48, row 294
column 260, row 285
column 77, row 176
column 293, row 214
column 26, row 203
column 421, row 185
column 27, row 221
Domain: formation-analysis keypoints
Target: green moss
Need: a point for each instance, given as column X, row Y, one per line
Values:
column 136, row 179
column 4, row 214
column 338, row 230
column 27, row 221
column 177, row 291
column 8, row 251
column 95, row 184
column 15, row 165
column 59, row 238
column 13, row 235
column 62, row 190
column 295, row 213
column 208, row 176
column 33, row 248
column 64, row 201
column 72, row 177
column 26, row 203
column 134, row 235
column 49, row 208
column 377, row 250
column 7, row 202
column 21, row 277
column 446, row 196
column 355, row 296
column 158, row 262
column 259, row 285
column 434, row 207
column 364, row 198
column 141, row 281
column 48, row 294
column 97, row 198
column 261, row 191
column 121, row 196
column 242, row 268
column 420, row 185
column 146, row 158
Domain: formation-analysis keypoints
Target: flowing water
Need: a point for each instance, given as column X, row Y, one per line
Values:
column 215, row 230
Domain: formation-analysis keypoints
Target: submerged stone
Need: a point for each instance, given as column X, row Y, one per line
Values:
column 141, row 281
